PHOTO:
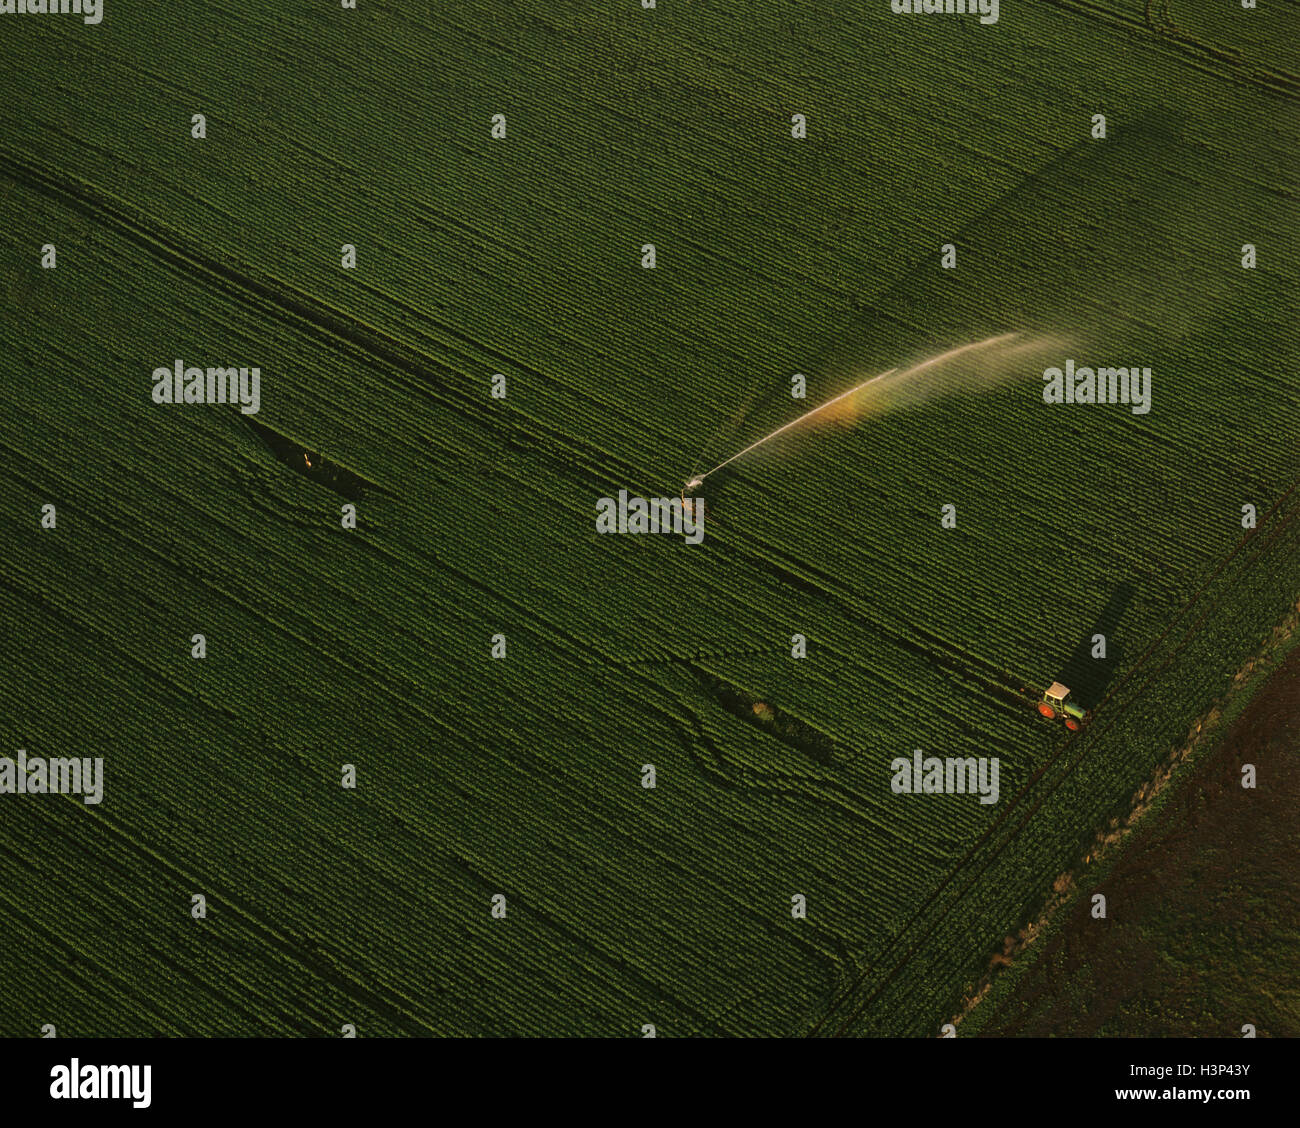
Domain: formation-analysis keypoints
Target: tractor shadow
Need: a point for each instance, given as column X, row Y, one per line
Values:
column 1086, row 676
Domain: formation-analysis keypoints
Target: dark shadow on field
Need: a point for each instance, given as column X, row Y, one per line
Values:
column 817, row 746
column 1087, row 677
column 309, row 463
column 1103, row 251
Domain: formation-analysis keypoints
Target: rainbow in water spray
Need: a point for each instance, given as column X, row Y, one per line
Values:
column 893, row 376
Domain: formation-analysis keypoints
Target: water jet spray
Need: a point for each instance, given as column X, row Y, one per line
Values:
column 698, row 480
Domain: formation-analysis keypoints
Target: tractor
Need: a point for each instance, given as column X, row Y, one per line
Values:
column 1056, row 705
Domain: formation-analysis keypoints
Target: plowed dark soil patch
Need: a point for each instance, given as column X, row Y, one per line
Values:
column 1202, row 932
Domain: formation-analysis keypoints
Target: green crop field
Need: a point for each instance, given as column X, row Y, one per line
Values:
column 521, row 256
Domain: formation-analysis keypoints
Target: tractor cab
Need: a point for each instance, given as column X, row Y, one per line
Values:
column 1056, row 705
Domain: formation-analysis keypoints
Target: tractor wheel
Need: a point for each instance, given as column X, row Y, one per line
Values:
column 1047, row 711
column 1072, row 724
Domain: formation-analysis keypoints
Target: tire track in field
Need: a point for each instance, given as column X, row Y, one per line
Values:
column 148, row 550
column 1092, row 731
column 1218, row 62
column 577, row 648
column 300, row 309
column 579, row 651
column 104, row 982
column 691, row 732
column 159, row 955
column 257, row 924
column 811, row 580
column 105, row 643
column 389, row 1004
column 728, row 776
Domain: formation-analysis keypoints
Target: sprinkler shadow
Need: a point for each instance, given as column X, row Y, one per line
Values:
column 1046, row 263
